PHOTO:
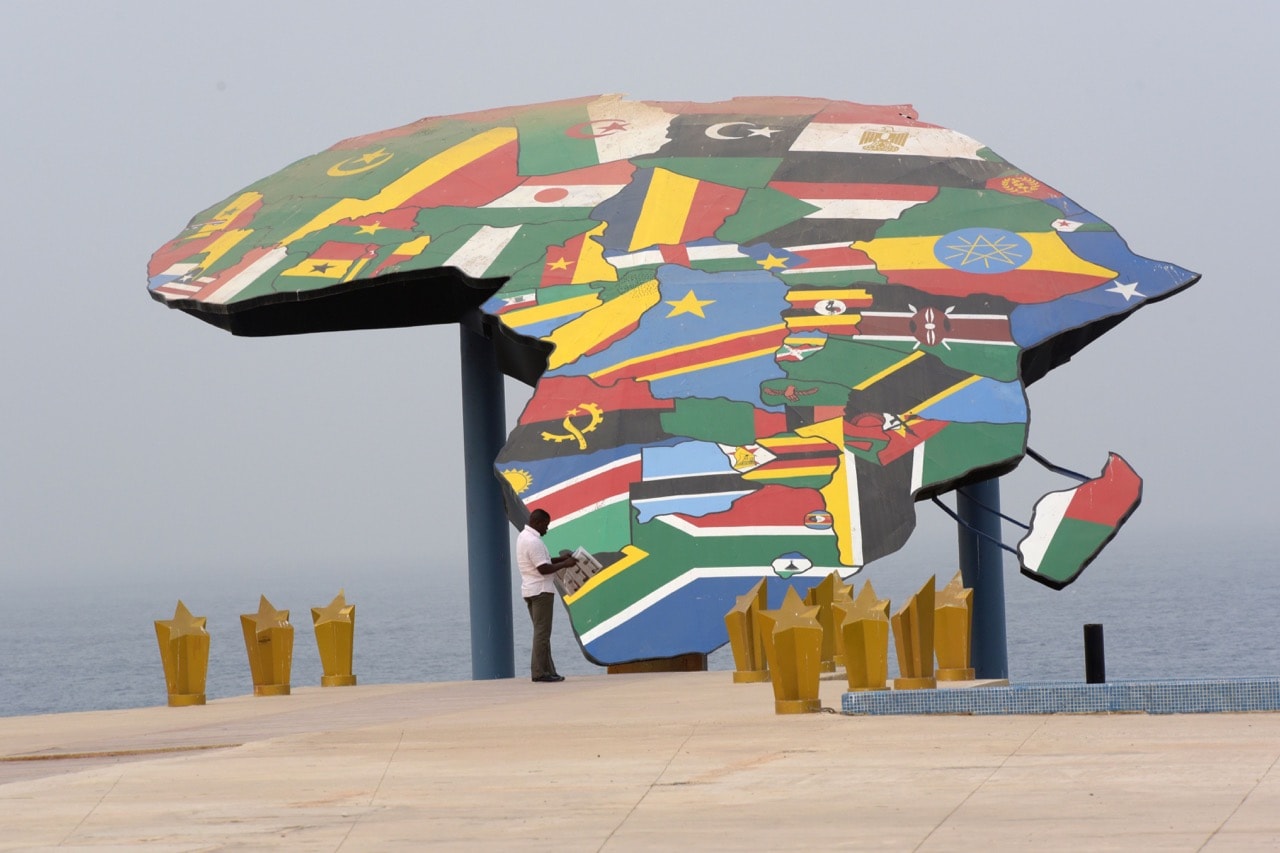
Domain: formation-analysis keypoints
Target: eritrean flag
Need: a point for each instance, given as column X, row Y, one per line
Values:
column 1069, row 528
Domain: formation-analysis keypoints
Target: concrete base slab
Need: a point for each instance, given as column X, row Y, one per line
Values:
column 627, row 762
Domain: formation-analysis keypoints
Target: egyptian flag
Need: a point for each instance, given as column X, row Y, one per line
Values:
column 661, row 207
column 1070, row 528
column 970, row 242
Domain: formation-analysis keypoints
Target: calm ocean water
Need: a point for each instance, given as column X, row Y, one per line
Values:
column 1173, row 606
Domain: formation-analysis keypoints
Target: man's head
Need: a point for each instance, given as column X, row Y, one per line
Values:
column 539, row 520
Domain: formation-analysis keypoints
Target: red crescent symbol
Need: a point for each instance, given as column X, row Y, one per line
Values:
column 586, row 130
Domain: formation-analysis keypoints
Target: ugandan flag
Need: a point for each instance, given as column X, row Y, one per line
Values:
column 1069, row 528
column 969, row 242
column 833, row 310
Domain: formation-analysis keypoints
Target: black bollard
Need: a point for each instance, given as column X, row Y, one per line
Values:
column 1095, row 656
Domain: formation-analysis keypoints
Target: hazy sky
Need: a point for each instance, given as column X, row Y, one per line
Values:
column 137, row 439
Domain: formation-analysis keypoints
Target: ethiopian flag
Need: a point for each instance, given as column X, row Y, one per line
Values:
column 1069, row 528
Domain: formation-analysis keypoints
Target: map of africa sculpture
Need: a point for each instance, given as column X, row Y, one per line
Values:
column 759, row 330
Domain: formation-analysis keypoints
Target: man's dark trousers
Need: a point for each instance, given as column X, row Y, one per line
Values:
column 541, row 609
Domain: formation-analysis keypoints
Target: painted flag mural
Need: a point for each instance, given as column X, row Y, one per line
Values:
column 758, row 331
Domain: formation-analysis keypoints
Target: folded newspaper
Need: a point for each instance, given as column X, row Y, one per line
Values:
column 584, row 567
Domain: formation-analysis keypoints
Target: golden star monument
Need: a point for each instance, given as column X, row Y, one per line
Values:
column 335, row 627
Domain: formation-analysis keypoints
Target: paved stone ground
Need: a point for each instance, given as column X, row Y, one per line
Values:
column 632, row 762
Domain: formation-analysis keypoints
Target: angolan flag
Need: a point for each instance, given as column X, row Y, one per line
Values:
column 1069, row 528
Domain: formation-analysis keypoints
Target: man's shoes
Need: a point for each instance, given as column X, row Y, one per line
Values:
column 549, row 679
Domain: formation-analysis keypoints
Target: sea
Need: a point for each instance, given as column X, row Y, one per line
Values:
column 1178, row 605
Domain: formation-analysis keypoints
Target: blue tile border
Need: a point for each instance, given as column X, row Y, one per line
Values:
column 1152, row 697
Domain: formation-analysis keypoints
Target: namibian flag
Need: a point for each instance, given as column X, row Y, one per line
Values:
column 1069, row 528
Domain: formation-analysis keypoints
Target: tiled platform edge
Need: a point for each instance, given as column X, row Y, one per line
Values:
column 1152, row 697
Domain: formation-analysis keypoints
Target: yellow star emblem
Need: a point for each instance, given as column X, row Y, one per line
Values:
column 772, row 262
column 267, row 616
column 370, row 229
column 561, row 264
column 336, row 611
column 689, row 304
column 183, row 624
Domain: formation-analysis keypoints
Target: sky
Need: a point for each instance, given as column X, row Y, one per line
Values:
column 136, row 440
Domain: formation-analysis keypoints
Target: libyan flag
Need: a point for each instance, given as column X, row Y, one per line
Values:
column 1070, row 528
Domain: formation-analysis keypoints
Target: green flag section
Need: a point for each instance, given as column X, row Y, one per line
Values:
column 976, row 209
column 961, row 448
column 995, row 360
column 558, row 138
column 724, row 421
column 742, row 172
column 687, row 551
column 761, row 211
column 364, row 171
column 1069, row 528
column 605, row 528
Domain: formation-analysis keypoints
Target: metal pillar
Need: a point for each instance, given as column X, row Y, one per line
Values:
column 982, row 568
column 484, row 429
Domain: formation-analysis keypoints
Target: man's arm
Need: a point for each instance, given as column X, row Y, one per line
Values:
column 564, row 561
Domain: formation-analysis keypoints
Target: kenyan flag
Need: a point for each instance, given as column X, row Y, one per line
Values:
column 1069, row 528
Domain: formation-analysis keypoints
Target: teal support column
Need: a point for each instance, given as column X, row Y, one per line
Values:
column 982, row 568
column 484, row 430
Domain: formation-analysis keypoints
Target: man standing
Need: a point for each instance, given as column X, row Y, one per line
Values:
column 538, row 590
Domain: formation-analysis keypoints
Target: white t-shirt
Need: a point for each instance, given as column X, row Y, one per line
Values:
column 531, row 552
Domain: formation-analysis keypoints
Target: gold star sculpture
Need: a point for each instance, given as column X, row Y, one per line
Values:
column 953, row 631
column 268, row 640
column 793, row 647
column 184, row 652
column 821, row 596
column 863, row 624
column 335, row 627
column 744, row 635
column 913, row 639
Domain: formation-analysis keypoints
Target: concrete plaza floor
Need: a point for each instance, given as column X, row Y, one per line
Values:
column 627, row 762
